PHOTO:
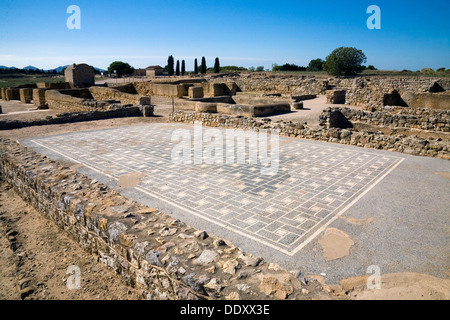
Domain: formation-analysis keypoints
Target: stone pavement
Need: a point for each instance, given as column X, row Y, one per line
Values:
column 279, row 216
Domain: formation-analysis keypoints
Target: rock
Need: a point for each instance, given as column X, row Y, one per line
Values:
column 103, row 223
column 153, row 258
column 274, row 267
column 218, row 243
column 301, row 277
column 147, row 211
column 272, row 286
column 250, row 260
column 201, row 234
column 167, row 231
column 233, row 296
column 211, row 269
column 230, row 266
column 25, row 292
column 191, row 282
column 115, row 230
column 214, row 285
column 242, row 287
column 206, row 257
column 127, row 239
column 165, row 247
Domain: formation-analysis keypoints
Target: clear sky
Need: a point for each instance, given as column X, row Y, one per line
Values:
column 414, row 34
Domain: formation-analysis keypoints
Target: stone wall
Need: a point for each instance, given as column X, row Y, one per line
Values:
column 162, row 257
column 68, row 103
column 39, row 98
column 115, row 111
column 412, row 144
column 417, row 92
column 103, row 93
column 425, row 119
column 26, row 95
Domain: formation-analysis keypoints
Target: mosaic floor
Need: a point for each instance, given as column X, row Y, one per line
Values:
column 314, row 184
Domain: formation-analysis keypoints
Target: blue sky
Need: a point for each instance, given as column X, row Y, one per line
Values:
column 413, row 35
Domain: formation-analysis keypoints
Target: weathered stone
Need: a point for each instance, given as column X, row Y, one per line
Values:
column 153, row 258
column 250, row 260
column 230, row 266
column 214, row 285
column 167, row 231
column 201, row 234
column 206, row 257
column 233, row 296
column 115, row 230
column 272, row 286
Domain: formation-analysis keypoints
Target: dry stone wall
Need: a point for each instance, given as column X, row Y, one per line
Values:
column 417, row 92
column 103, row 93
column 412, row 144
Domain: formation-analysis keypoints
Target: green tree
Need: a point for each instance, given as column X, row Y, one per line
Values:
column 216, row 66
column 195, row 66
column 203, row 65
column 121, row 68
column 170, row 64
column 315, row 65
column 345, row 61
column 183, row 67
column 177, row 70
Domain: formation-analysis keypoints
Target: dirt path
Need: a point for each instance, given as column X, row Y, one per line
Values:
column 35, row 256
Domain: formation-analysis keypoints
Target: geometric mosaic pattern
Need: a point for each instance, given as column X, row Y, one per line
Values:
column 315, row 182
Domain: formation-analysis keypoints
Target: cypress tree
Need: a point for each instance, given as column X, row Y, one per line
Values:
column 170, row 62
column 216, row 66
column 203, row 66
column 195, row 66
column 183, row 67
column 177, row 72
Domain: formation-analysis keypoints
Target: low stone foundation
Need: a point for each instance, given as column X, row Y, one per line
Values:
column 78, row 117
column 412, row 144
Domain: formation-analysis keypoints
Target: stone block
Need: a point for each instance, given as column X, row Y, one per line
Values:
column 206, row 107
column 297, row 105
column 335, row 96
column 145, row 100
column 39, row 98
column 25, row 95
column 147, row 110
column 195, row 92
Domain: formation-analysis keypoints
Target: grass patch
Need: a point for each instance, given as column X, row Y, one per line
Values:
column 8, row 80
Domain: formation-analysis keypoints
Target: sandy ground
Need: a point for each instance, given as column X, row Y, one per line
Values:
column 36, row 268
column 35, row 256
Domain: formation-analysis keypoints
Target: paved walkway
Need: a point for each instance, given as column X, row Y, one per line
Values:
column 374, row 201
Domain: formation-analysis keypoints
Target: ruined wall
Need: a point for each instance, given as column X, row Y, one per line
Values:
column 117, row 112
column 425, row 119
column 26, row 95
column 160, row 256
column 289, row 85
column 67, row 103
column 417, row 92
column 103, row 93
column 370, row 91
column 412, row 144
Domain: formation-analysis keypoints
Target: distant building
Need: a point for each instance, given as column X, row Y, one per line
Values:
column 140, row 72
column 154, row 71
column 80, row 75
